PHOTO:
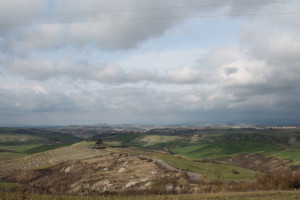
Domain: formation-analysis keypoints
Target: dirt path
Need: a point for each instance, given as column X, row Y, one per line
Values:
column 192, row 175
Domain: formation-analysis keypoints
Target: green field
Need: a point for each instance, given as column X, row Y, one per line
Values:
column 13, row 138
column 43, row 148
column 219, row 145
column 152, row 141
column 16, row 143
column 217, row 150
column 33, row 148
column 234, row 148
column 20, row 148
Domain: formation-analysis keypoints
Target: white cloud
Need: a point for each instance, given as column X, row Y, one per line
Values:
column 183, row 75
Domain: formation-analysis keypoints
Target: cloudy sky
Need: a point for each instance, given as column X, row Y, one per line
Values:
column 149, row 62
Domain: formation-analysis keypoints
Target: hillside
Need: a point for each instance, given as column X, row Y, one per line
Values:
column 16, row 143
column 207, row 162
column 282, row 144
column 106, row 172
column 269, row 149
column 79, row 170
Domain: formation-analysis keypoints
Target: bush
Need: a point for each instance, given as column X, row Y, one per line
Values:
column 276, row 180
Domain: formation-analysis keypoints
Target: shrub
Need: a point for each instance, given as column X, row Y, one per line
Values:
column 276, row 180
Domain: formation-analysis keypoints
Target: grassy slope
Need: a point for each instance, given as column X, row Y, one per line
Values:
column 25, row 150
column 226, row 149
column 210, row 170
column 44, row 159
column 19, row 148
column 13, row 138
column 6, row 157
column 23, row 142
column 152, row 141
column 125, row 138
column 217, row 150
column 34, row 148
column 43, row 148
column 33, row 156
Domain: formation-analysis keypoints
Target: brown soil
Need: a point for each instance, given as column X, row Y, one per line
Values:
column 105, row 173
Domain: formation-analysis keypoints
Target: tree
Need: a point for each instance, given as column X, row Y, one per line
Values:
column 98, row 142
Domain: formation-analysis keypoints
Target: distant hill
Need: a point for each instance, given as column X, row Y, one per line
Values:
column 23, row 136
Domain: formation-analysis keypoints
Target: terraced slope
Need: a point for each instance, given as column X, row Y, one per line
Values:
column 45, row 159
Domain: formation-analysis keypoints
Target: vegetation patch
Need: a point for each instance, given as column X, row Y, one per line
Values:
column 43, row 148
column 152, row 141
column 8, row 187
column 217, row 150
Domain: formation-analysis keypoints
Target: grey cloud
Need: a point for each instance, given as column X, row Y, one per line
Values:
column 276, row 47
column 12, row 11
column 230, row 70
column 91, row 103
column 123, row 34
column 242, row 7
column 11, row 34
column 137, row 75
column 121, row 104
column 99, row 72
column 27, row 100
column 265, row 78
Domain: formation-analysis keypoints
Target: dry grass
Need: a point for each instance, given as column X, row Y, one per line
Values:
column 274, row 195
column 277, row 185
column 277, row 180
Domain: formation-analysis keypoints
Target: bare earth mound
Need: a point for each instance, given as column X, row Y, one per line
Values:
column 105, row 173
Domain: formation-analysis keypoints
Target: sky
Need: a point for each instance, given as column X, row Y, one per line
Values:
column 66, row 62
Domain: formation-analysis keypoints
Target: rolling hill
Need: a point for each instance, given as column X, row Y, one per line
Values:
column 218, row 158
